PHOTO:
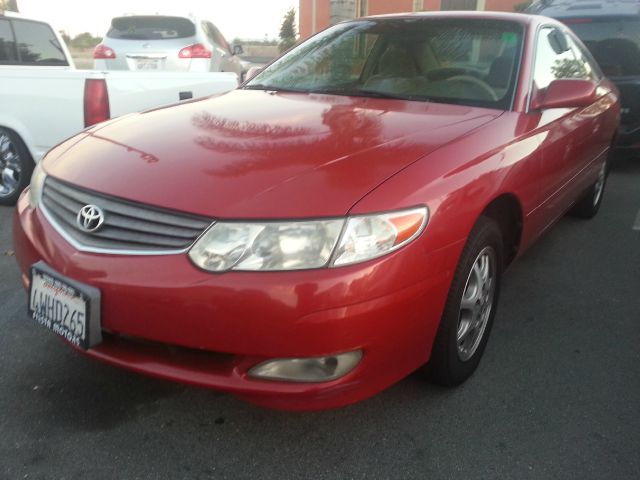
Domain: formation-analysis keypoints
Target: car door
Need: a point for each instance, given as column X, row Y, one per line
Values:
column 567, row 148
column 216, row 54
column 228, row 61
column 600, row 138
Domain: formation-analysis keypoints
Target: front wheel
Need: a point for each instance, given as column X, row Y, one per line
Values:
column 16, row 166
column 470, row 307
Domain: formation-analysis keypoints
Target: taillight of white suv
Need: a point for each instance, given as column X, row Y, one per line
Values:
column 102, row 52
column 197, row 50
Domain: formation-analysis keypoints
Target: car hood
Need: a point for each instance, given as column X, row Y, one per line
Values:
column 255, row 154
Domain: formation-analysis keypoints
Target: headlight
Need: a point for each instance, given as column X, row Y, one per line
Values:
column 37, row 183
column 370, row 236
column 266, row 246
column 299, row 245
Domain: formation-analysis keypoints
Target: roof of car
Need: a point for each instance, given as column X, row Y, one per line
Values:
column 585, row 8
column 167, row 13
column 7, row 13
column 514, row 17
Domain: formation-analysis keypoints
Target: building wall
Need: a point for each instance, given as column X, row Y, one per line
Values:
column 304, row 18
column 340, row 9
column 380, row 7
column 502, row 5
column 306, row 15
column 431, row 5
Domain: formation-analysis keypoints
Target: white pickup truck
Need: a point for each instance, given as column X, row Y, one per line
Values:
column 44, row 99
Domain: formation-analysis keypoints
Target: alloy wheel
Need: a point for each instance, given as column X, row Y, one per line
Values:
column 10, row 166
column 476, row 303
column 599, row 185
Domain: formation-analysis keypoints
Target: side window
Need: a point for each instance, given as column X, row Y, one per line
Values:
column 218, row 38
column 205, row 29
column 37, row 44
column 8, row 53
column 555, row 59
column 208, row 28
column 590, row 66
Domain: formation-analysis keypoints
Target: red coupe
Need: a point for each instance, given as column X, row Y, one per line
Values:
column 339, row 221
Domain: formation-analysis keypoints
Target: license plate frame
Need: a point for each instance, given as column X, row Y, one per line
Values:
column 147, row 64
column 69, row 308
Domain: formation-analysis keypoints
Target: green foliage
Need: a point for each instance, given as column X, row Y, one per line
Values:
column 567, row 68
column 65, row 36
column 84, row 40
column 288, row 34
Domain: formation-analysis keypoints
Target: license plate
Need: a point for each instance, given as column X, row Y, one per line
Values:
column 64, row 306
column 147, row 64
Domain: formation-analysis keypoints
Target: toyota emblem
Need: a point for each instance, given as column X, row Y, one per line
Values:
column 90, row 218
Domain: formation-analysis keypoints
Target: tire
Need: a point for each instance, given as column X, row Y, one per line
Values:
column 589, row 204
column 470, row 307
column 16, row 166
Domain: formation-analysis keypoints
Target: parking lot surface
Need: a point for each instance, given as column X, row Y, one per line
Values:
column 557, row 394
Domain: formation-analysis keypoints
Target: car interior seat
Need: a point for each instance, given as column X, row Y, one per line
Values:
column 395, row 70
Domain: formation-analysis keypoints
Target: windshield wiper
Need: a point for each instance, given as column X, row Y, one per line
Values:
column 337, row 91
column 395, row 96
column 273, row 88
column 365, row 93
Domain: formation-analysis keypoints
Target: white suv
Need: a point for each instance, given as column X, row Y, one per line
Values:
column 166, row 43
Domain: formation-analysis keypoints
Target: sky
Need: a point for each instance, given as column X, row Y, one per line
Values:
column 247, row 19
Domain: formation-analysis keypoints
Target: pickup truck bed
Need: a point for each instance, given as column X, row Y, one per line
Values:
column 45, row 100
column 46, row 105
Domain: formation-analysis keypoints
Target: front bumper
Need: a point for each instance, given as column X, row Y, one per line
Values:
column 163, row 317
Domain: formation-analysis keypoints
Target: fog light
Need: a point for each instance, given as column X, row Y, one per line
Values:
column 314, row 369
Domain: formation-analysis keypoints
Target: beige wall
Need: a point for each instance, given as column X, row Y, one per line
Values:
column 322, row 10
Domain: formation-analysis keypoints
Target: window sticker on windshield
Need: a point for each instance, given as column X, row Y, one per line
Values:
column 510, row 38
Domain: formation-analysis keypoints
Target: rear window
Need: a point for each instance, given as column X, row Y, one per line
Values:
column 151, row 28
column 8, row 53
column 614, row 42
column 34, row 44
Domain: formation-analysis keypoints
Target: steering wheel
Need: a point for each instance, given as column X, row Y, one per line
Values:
column 480, row 85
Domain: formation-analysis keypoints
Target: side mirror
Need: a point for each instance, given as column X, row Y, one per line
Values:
column 566, row 93
column 238, row 50
column 252, row 72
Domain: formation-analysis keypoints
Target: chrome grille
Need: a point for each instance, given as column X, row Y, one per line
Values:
column 128, row 227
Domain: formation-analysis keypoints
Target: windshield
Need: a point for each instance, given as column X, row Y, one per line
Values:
column 461, row 61
column 151, row 28
column 614, row 42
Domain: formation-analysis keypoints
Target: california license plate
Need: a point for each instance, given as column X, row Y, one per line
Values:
column 147, row 64
column 64, row 306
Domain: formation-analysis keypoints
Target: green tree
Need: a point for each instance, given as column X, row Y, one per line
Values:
column 65, row 36
column 567, row 68
column 288, row 34
column 10, row 5
column 85, row 40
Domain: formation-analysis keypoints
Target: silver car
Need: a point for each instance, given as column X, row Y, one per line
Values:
column 166, row 43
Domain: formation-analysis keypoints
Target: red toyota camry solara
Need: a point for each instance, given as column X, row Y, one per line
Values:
column 339, row 221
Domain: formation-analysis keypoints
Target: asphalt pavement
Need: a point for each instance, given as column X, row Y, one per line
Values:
column 557, row 395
